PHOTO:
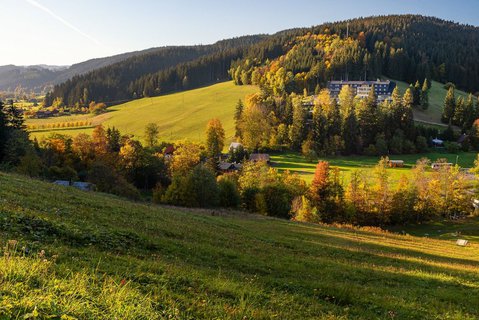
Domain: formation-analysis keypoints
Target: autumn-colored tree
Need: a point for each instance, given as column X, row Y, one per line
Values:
column 100, row 141
column 152, row 133
column 254, row 124
column 83, row 147
column 185, row 158
column 215, row 137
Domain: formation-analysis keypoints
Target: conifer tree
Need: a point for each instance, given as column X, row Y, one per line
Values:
column 417, row 94
column 237, row 118
column 449, row 106
column 459, row 113
column 425, row 95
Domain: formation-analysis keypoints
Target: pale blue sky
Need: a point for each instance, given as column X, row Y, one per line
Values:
column 68, row 31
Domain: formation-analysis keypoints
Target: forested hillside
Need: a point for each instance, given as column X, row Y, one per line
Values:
column 173, row 68
column 402, row 47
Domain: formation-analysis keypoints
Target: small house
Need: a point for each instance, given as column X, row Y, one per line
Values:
column 396, row 163
column 229, row 167
column 255, row 157
column 235, row 145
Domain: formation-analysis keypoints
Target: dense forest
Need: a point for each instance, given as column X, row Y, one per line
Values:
column 402, row 47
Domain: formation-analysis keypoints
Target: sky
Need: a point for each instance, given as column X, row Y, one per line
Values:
column 63, row 32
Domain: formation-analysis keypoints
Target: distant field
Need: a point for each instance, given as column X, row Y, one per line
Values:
column 295, row 162
column 179, row 115
column 107, row 258
column 437, row 93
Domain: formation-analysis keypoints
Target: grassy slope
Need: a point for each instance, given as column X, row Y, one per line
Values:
column 118, row 259
column 179, row 115
column 297, row 163
column 436, row 102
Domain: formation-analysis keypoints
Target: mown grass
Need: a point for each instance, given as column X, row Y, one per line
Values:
column 181, row 115
column 125, row 260
column 295, row 162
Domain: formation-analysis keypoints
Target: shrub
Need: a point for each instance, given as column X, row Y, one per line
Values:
column 197, row 189
column 421, row 144
column 229, row 196
column 371, row 150
column 408, row 147
column 277, row 201
column 62, row 173
column 452, row 147
column 107, row 180
column 158, row 193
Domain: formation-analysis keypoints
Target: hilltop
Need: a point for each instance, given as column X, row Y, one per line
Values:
column 109, row 258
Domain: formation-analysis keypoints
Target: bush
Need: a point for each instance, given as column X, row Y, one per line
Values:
column 62, row 173
column 197, row 189
column 228, row 192
column 421, row 144
column 277, row 201
column 371, row 150
column 408, row 147
column 452, row 147
column 109, row 181
column 158, row 193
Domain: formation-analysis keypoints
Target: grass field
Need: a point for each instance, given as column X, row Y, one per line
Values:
column 295, row 162
column 180, row 115
column 108, row 258
column 437, row 93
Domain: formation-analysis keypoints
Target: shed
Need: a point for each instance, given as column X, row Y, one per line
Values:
column 396, row 163
column 255, row 157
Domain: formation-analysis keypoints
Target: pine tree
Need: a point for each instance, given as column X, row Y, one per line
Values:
column 297, row 128
column 368, row 118
column 14, row 117
column 459, row 113
column 470, row 112
column 425, row 95
column 237, row 118
column 417, row 93
column 449, row 106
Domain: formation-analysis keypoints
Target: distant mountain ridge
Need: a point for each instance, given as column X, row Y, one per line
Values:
column 39, row 77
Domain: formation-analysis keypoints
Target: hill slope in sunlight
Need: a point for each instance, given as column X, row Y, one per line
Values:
column 182, row 115
column 109, row 258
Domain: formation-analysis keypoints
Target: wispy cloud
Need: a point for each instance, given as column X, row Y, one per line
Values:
column 66, row 23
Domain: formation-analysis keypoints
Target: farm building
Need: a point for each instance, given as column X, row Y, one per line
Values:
column 396, row 163
column 255, row 157
column 229, row 167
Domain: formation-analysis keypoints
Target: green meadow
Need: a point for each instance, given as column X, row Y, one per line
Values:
column 107, row 258
column 182, row 115
column 296, row 163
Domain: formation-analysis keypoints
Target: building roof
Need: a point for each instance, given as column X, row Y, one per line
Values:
column 235, row 145
column 360, row 82
column 259, row 157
